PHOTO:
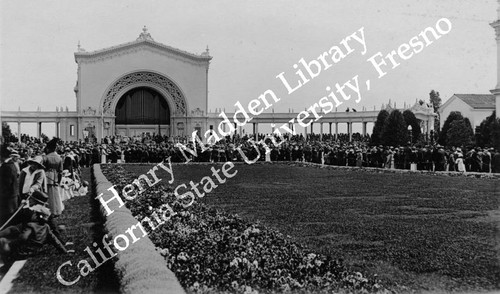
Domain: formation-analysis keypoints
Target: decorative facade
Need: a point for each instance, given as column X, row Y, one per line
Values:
column 147, row 87
column 178, row 77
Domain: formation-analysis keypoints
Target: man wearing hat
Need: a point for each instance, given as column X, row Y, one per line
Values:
column 9, row 185
column 476, row 160
column 439, row 158
column 31, row 229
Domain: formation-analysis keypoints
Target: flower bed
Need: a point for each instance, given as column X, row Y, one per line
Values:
column 213, row 251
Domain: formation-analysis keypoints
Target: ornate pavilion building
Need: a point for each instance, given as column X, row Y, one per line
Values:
column 147, row 87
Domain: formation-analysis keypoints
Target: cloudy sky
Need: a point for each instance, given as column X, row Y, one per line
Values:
column 251, row 43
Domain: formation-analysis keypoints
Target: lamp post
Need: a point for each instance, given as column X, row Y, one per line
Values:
column 409, row 130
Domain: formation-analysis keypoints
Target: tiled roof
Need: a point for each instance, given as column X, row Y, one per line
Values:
column 478, row 101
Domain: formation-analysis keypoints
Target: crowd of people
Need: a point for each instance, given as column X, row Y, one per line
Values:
column 340, row 150
column 37, row 178
column 34, row 184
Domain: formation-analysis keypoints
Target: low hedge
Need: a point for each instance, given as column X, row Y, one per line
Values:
column 140, row 268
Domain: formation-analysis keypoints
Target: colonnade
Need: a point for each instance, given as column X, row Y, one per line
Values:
column 38, row 127
column 255, row 128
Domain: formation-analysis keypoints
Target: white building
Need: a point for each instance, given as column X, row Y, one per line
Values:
column 144, row 86
column 476, row 107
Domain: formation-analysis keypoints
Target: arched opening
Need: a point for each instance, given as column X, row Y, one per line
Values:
column 142, row 111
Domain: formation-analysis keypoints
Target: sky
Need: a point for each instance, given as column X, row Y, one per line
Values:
column 251, row 43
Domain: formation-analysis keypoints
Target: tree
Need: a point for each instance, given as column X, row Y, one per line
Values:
column 460, row 133
column 495, row 134
column 454, row 115
column 468, row 128
column 435, row 101
column 485, row 136
column 394, row 132
column 7, row 133
column 378, row 127
column 412, row 121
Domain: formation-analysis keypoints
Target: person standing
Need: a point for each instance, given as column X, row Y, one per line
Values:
column 54, row 165
column 451, row 160
column 440, row 159
column 486, row 160
column 495, row 161
column 477, row 162
column 103, row 154
column 359, row 158
column 68, row 160
column 66, row 186
column 9, row 186
column 459, row 162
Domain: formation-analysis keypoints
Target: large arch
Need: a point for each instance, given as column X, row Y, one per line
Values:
column 165, row 86
column 143, row 106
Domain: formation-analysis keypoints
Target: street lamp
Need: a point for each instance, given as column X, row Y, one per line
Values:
column 409, row 130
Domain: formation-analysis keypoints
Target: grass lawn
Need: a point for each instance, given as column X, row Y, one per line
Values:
column 416, row 231
column 39, row 273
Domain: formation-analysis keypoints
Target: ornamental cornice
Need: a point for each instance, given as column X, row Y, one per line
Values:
column 424, row 108
column 138, row 45
column 150, row 78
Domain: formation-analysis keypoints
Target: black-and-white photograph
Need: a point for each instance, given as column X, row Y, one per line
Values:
column 330, row 146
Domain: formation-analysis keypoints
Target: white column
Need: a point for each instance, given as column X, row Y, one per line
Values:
column 349, row 130
column 496, row 91
column 38, row 129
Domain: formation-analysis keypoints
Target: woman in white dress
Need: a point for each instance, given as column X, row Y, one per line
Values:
column 66, row 185
column 460, row 161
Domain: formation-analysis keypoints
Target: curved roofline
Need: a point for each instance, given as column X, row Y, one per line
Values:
column 110, row 50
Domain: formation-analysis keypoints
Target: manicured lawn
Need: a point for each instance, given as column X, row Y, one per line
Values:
column 416, row 231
